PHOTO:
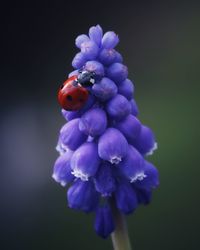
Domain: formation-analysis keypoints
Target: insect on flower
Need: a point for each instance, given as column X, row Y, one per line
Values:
column 73, row 93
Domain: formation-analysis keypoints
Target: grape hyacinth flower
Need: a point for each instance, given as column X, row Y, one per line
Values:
column 103, row 145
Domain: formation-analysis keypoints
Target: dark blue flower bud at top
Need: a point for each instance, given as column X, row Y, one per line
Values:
column 151, row 179
column 132, row 166
column 79, row 60
column 104, row 223
column 145, row 142
column 118, row 107
column 117, row 72
column 110, row 40
column 112, row 146
column 126, row 198
column 130, row 127
column 85, row 161
column 83, row 196
column 96, row 67
column 93, row 122
column 71, row 136
column 62, row 169
column 104, row 180
column 105, row 89
column 81, row 39
column 143, row 196
column 126, row 88
column 134, row 107
column 89, row 49
column 95, row 34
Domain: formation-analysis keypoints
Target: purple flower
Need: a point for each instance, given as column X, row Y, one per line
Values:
column 71, row 136
column 105, row 89
column 104, row 224
column 85, row 161
column 109, row 40
column 117, row 72
column 118, row 107
column 103, row 146
column 93, row 122
column 112, row 146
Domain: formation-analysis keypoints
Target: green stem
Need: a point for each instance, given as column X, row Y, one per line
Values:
column 120, row 238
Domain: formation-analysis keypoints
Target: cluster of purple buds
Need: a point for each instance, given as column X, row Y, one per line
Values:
column 103, row 146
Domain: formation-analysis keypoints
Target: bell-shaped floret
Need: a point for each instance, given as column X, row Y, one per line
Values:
column 105, row 89
column 62, row 169
column 118, row 72
column 145, row 142
column 119, row 57
column 93, row 122
column 95, row 34
column 132, row 166
column 71, row 136
column 126, row 88
column 96, row 67
column 104, row 223
column 126, row 198
column 130, row 127
column 104, row 180
column 143, row 195
column 134, row 107
column 118, row 107
column 81, row 39
column 70, row 115
column 110, row 40
column 151, row 179
column 85, row 161
column 83, row 196
column 79, row 60
column 112, row 146
column 89, row 49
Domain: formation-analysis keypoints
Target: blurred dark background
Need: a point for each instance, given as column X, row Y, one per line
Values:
column 160, row 45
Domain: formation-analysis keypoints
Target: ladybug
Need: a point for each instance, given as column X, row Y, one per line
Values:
column 73, row 94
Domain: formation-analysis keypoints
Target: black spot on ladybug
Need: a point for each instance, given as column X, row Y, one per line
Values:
column 69, row 98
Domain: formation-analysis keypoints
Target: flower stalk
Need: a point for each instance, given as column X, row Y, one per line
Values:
column 120, row 237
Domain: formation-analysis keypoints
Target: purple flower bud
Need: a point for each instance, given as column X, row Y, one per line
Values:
column 107, row 56
column 79, row 60
column 70, row 115
column 117, row 72
column 85, row 161
column 83, row 196
column 104, row 180
column 145, row 142
column 112, row 146
column 132, row 166
column 130, row 127
column 96, row 67
column 89, row 49
column 134, row 107
column 126, row 88
column 95, row 34
column 110, row 40
column 104, row 223
column 93, row 122
column 81, row 39
column 71, row 136
column 151, row 179
column 126, row 198
column 62, row 169
column 73, row 73
column 105, row 89
column 118, row 107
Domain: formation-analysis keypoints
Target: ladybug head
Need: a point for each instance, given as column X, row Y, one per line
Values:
column 86, row 78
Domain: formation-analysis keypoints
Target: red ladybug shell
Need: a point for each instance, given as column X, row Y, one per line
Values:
column 72, row 97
